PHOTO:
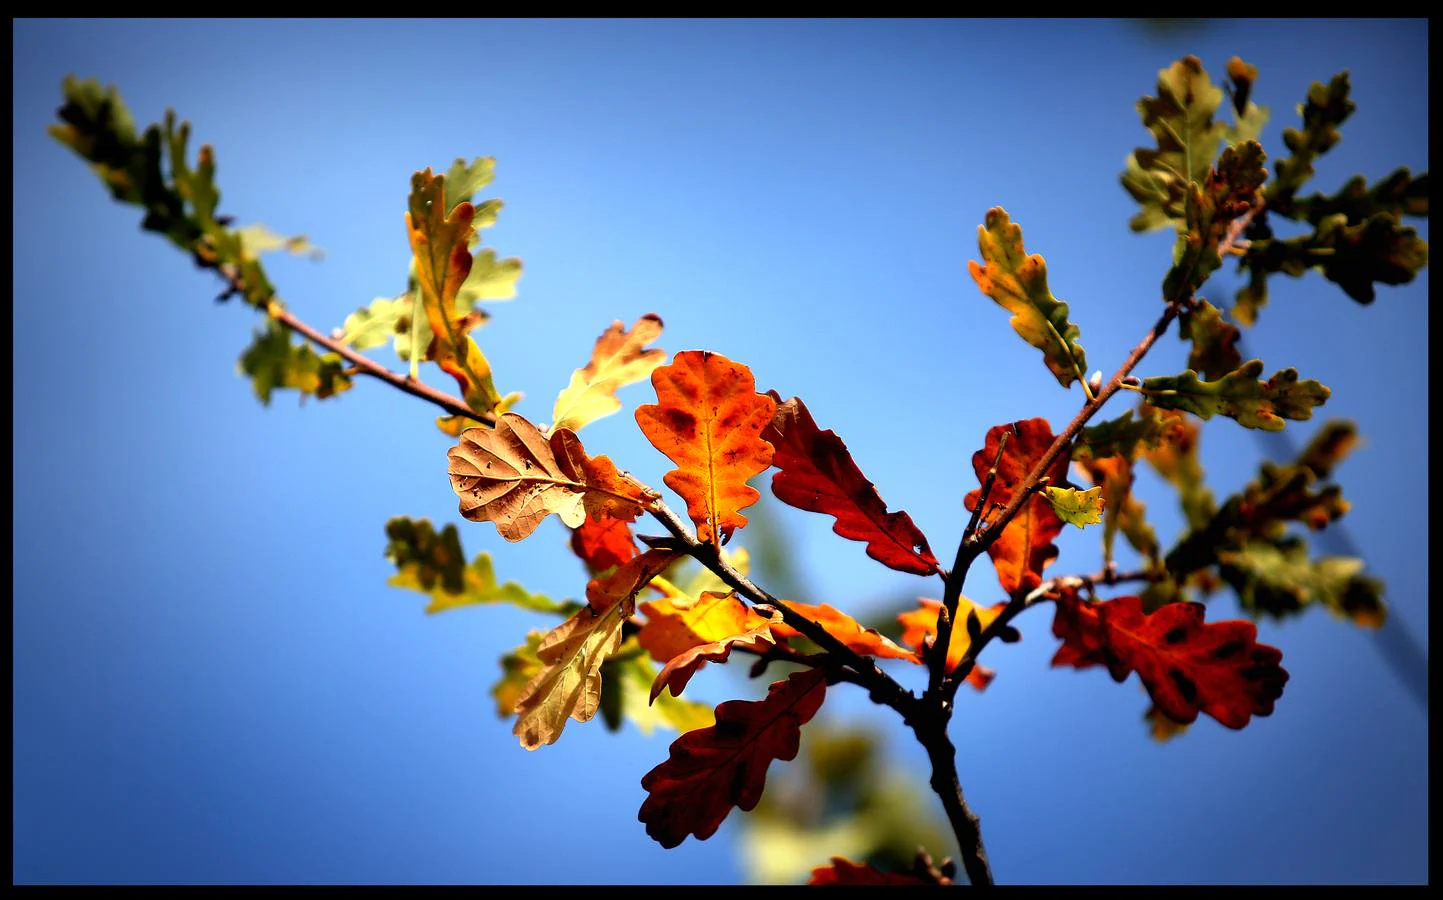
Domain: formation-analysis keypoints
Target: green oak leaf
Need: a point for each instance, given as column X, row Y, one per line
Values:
column 517, row 669
column 258, row 238
column 464, row 179
column 1180, row 117
column 1076, row 507
column 1277, row 579
column 1211, row 207
column 1122, row 436
column 1239, row 395
column 1326, row 108
column 634, row 674
column 273, row 361
column 1214, row 340
column 433, row 564
column 1018, row 283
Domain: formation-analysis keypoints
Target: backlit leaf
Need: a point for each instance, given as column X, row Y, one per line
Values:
column 1239, row 395
column 1278, row 579
column 635, row 675
column 1076, row 507
column 921, row 623
column 514, row 476
column 1211, row 206
column 1018, row 283
column 1113, row 477
column 568, row 684
column 1180, row 117
column 1187, row 666
column 708, row 419
column 620, row 587
column 758, row 637
column 1025, row 545
column 1123, row 436
column 711, row 770
column 866, row 641
column 435, row 565
column 1176, row 459
column 676, row 623
column 603, row 542
column 1214, row 341
column 259, row 239
column 443, row 263
column 517, row 669
column 274, row 360
column 464, row 179
column 817, row 473
column 617, row 360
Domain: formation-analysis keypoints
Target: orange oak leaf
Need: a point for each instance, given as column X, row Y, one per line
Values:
column 679, row 669
column 515, row 476
column 628, row 580
column 866, row 641
column 603, row 542
column 1187, row 666
column 711, row 770
column 921, row 623
column 708, row 419
column 1025, row 545
column 842, row 871
column 617, row 360
column 818, row 474
column 676, row 623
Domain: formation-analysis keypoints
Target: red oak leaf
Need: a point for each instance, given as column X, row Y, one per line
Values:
column 1025, row 545
column 818, row 474
column 711, row 770
column 603, row 542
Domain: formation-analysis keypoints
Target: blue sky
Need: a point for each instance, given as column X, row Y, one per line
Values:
column 212, row 682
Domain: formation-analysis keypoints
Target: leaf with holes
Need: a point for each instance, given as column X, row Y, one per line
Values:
column 708, row 419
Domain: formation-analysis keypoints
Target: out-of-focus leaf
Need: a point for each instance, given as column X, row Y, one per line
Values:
column 1187, row 666
column 517, row 669
column 1176, row 460
column 1214, row 341
column 374, row 325
column 1239, row 395
column 866, row 641
column 1025, row 546
column 1113, row 477
column 1018, row 283
column 921, row 623
column 616, row 361
column 515, row 477
column 1329, row 447
column 1210, row 209
column 259, row 239
column 490, row 278
column 273, row 361
column 1181, row 119
column 818, row 474
column 1076, row 507
column 434, row 565
column 1123, row 436
column 1278, row 579
column 1399, row 194
column 1161, row 728
column 711, row 770
column 842, row 871
column 708, row 419
column 443, row 263
column 1327, row 107
column 634, row 676
column 1248, row 117
column 464, row 179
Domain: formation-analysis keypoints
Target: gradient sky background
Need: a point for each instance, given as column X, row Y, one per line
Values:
column 212, row 682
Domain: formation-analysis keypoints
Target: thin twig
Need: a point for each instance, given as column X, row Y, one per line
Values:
column 881, row 686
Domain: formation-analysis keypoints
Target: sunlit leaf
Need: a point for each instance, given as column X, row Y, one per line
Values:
column 863, row 640
column 1214, row 341
column 1075, row 506
column 1180, row 117
column 618, row 359
column 1239, row 395
column 1018, row 283
column 568, row 683
column 708, row 419
column 274, row 360
column 434, row 564
column 1025, row 546
column 921, row 623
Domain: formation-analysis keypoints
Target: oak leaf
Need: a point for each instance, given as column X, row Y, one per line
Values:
column 435, row 565
column 711, row 770
column 1113, row 477
column 1018, row 283
column 633, row 675
column 1214, row 341
column 514, row 476
column 274, row 360
column 757, row 637
column 617, row 360
column 1025, row 545
column 1181, row 119
column 866, row 641
column 708, row 419
column 603, row 542
column 1075, row 506
column 568, row 683
column 621, row 585
column 440, row 244
column 1187, row 666
column 921, row 623
column 817, row 473
column 1239, row 395
column 1122, row 436
column 676, row 622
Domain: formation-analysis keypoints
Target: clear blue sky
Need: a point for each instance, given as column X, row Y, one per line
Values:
column 212, row 682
